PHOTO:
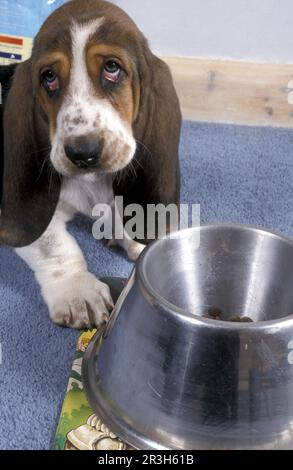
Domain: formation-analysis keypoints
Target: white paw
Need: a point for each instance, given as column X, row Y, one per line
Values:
column 132, row 248
column 78, row 301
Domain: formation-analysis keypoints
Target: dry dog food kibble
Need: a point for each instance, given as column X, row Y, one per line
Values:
column 215, row 313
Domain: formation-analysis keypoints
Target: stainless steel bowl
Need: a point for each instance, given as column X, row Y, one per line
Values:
column 162, row 376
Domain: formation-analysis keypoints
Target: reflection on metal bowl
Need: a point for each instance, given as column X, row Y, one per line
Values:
column 162, row 375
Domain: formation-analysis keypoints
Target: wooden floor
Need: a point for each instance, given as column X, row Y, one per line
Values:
column 234, row 92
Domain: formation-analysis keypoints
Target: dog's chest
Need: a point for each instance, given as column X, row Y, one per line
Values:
column 82, row 193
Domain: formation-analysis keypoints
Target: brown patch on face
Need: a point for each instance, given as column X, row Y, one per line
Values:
column 124, row 96
column 59, row 63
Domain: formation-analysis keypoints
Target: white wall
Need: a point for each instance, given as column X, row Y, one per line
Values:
column 260, row 30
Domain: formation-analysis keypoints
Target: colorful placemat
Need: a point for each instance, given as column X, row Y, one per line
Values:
column 79, row 428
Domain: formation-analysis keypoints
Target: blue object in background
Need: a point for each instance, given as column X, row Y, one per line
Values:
column 24, row 17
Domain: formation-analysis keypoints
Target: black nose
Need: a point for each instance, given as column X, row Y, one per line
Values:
column 84, row 155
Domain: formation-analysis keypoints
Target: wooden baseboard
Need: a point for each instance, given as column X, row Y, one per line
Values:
column 233, row 92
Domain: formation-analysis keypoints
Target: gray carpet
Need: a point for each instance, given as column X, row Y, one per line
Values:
column 238, row 174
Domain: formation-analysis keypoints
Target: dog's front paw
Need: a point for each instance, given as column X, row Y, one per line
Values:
column 132, row 248
column 78, row 301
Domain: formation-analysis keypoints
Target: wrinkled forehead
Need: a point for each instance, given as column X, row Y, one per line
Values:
column 65, row 35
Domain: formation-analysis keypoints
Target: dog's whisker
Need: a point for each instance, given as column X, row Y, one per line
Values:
column 42, row 167
column 44, row 149
column 144, row 147
column 132, row 169
column 118, row 178
column 138, row 163
column 50, row 179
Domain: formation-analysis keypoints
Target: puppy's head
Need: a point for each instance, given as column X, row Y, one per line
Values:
column 86, row 78
column 90, row 91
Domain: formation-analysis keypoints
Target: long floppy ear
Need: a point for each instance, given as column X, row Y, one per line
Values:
column 30, row 186
column 157, row 132
column 6, row 74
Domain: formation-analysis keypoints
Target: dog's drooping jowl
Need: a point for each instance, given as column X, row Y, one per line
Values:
column 90, row 101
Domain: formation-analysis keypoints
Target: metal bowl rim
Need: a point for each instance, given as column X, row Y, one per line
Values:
column 158, row 300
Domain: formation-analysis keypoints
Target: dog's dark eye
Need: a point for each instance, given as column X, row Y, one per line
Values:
column 50, row 81
column 112, row 71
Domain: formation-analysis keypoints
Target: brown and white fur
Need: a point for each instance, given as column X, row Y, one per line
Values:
column 134, row 121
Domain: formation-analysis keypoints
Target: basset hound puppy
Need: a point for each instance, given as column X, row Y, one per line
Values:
column 90, row 101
